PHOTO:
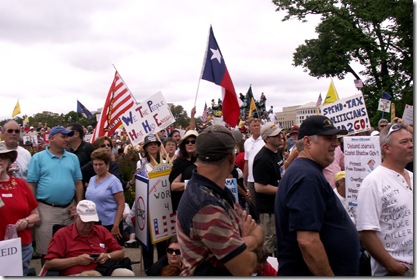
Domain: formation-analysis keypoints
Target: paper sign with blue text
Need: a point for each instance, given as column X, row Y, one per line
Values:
column 348, row 113
column 148, row 117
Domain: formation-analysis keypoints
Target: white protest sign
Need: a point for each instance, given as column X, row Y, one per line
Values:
column 362, row 155
column 141, row 209
column 348, row 113
column 11, row 257
column 162, row 220
column 408, row 115
column 148, row 117
column 231, row 184
column 384, row 105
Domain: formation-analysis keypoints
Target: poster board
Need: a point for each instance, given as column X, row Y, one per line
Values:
column 162, row 220
column 141, row 209
column 348, row 113
column 408, row 115
column 148, row 117
column 11, row 257
column 231, row 184
column 362, row 156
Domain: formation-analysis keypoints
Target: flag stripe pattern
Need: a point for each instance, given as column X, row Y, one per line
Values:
column 215, row 71
column 119, row 100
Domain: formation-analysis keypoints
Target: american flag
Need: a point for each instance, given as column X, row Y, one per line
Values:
column 205, row 113
column 358, row 83
column 119, row 100
column 319, row 100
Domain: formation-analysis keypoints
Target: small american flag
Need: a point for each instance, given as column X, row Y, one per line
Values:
column 205, row 113
column 358, row 83
column 319, row 100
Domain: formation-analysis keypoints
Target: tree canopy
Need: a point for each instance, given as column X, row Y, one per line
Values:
column 378, row 34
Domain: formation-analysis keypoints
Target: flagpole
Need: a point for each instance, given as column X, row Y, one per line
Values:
column 125, row 84
column 202, row 68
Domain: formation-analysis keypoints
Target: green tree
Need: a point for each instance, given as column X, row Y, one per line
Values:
column 378, row 34
column 180, row 115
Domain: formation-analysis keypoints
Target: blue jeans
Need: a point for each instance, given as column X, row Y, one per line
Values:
column 27, row 251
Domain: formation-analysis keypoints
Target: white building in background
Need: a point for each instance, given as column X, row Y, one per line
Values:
column 295, row 115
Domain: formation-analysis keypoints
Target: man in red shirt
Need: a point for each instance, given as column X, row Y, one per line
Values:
column 81, row 246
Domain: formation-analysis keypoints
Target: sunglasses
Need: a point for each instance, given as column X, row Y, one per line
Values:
column 393, row 128
column 189, row 141
column 105, row 145
column 172, row 251
column 13, row 130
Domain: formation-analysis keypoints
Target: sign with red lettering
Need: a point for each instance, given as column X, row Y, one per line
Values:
column 149, row 117
column 348, row 113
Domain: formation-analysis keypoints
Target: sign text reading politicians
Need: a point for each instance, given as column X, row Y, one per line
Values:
column 148, row 117
column 348, row 113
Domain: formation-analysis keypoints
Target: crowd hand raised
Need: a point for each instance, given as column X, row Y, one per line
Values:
column 193, row 111
column 249, row 224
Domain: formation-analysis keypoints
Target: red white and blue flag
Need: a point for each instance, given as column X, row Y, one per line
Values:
column 215, row 71
column 119, row 100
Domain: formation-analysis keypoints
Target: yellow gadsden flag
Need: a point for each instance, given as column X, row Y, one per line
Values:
column 332, row 95
column 252, row 107
column 16, row 110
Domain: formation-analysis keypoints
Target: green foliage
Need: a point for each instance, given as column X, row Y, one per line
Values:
column 181, row 117
column 127, row 164
column 378, row 34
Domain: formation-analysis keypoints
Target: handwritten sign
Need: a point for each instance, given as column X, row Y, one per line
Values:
column 11, row 257
column 348, row 113
column 148, row 117
column 231, row 184
column 141, row 210
column 384, row 105
column 408, row 115
column 362, row 155
column 162, row 220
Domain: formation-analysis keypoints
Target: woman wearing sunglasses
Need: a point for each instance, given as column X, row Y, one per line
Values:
column 170, row 264
column 183, row 167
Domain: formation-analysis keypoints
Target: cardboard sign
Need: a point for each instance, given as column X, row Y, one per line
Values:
column 362, row 156
column 11, row 257
column 348, row 113
column 148, row 117
column 141, row 210
column 162, row 220
column 384, row 105
column 408, row 115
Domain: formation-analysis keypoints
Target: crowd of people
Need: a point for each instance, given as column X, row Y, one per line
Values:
column 291, row 205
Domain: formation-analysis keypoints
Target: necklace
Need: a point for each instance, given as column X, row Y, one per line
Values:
column 9, row 185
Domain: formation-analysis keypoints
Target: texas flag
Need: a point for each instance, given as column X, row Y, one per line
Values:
column 215, row 71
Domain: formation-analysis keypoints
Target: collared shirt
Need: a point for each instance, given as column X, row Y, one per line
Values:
column 252, row 147
column 54, row 176
column 67, row 243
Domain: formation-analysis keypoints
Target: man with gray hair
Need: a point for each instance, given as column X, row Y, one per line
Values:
column 385, row 206
column 11, row 137
column 216, row 235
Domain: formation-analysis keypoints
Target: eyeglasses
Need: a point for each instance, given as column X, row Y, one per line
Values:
column 4, row 156
column 189, row 141
column 13, row 130
column 105, row 145
column 172, row 251
column 393, row 128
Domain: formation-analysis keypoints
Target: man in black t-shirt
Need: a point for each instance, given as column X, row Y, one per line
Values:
column 266, row 174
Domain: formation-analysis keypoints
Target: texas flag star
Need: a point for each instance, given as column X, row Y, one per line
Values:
column 216, row 54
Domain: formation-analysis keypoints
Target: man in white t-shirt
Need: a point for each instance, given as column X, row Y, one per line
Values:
column 385, row 206
column 11, row 137
column 252, row 146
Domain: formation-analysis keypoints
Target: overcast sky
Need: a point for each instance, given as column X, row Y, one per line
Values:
column 55, row 52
